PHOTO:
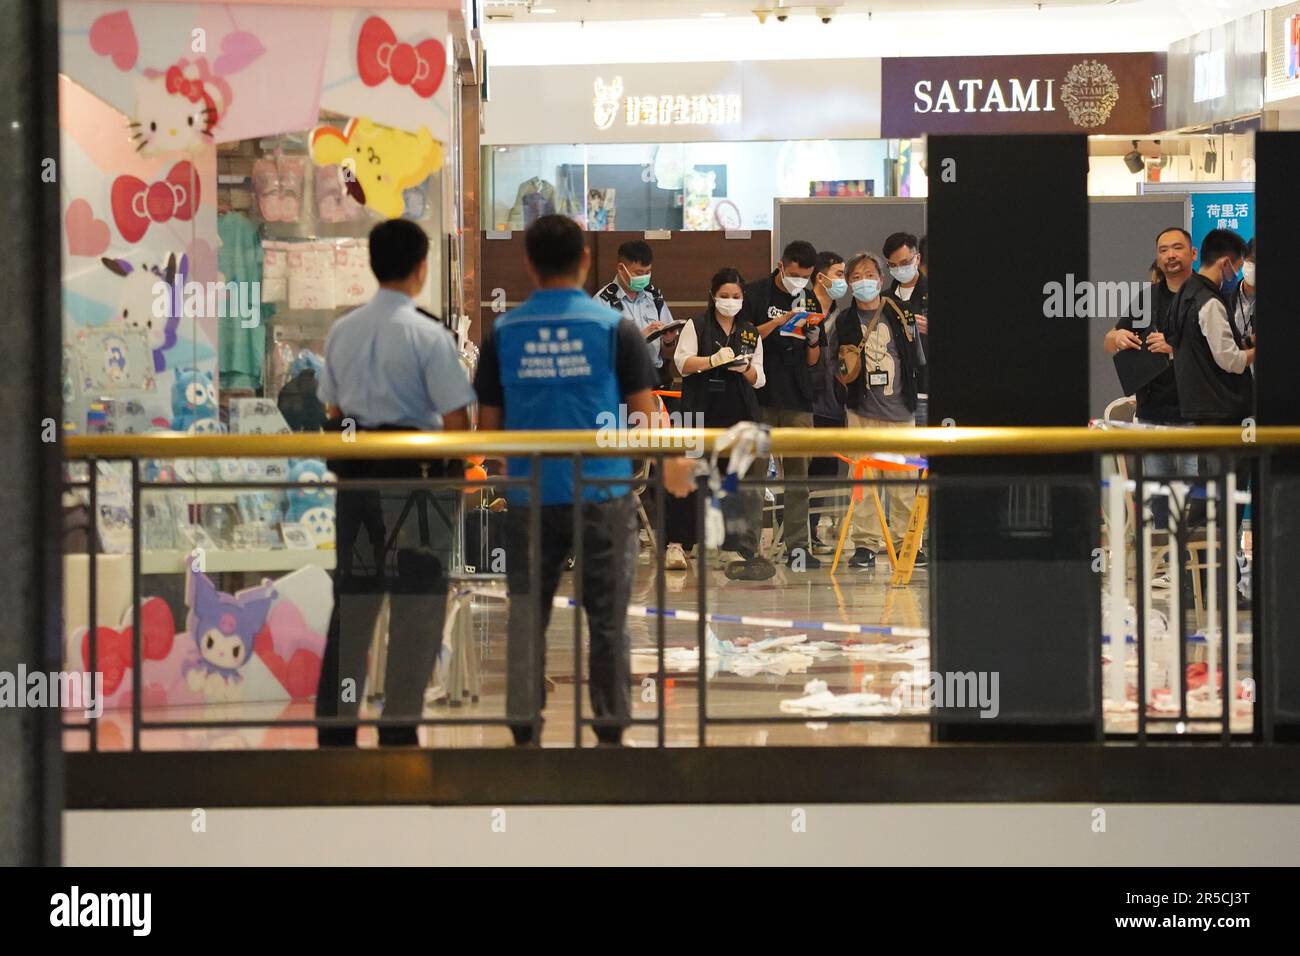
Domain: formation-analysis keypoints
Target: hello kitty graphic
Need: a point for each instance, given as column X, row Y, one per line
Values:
column 178, row 108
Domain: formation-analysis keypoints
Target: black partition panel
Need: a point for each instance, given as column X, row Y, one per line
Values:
column 1015, row 604
column 845, row 225
column 1277, row 515
column 1121, row 245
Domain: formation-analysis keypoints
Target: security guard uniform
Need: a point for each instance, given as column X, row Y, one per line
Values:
column 389, row 366
column 642, row 308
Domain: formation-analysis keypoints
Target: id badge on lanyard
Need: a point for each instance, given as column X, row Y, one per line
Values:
column 878, row 378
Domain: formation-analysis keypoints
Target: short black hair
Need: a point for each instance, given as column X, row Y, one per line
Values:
column 1219, row 243
column 920, row 247
column 801, row 253
column 638, row 251
column 397, row 247
column 896, row 241
column 1250, row 247
column 826, row 259
column 554, row 245
column 1186, row 235
column 722, row 277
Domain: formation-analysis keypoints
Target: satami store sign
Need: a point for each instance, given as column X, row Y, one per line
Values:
column 1078, row 93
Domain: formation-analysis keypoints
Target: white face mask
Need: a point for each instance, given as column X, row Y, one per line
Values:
column 728, row 307
column 905, row 273
column 1248, row 273
column 792, row 285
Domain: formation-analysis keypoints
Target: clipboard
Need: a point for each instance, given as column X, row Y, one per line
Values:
column 671, row 326
column 1138, row 367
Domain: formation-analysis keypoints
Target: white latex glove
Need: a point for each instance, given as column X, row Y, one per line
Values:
column 722, row 356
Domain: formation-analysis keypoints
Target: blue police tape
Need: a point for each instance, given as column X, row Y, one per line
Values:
column 641, row 610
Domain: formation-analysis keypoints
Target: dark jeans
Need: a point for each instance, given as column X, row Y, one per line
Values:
column 822, row 468
column 412, row 572
column 609, row 553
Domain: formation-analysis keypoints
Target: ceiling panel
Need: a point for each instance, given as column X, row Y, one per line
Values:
column 536, row 11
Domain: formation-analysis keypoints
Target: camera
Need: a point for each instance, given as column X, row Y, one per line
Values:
column 826, row 13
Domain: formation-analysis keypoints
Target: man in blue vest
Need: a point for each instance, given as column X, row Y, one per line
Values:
column 562, row 361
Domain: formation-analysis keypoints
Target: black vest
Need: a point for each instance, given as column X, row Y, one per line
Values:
column 721, row 395
column 1206, row 393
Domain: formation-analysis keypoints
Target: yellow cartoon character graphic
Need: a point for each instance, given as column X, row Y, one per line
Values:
column 377, row 162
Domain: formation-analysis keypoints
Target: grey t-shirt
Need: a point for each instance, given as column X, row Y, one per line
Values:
column 883, row 402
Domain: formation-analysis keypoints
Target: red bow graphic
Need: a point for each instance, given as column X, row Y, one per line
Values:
column 380, row 55
column 136, row 203
column 178, row 82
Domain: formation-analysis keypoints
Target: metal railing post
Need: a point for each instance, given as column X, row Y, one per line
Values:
column 579, row 559
column 538, row 646
column 137, row 643
column 92, row 549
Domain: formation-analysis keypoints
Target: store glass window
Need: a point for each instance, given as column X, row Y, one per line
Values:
column 690, row 186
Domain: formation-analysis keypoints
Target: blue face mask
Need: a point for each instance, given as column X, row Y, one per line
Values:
column 837, row 289
column 864, row 290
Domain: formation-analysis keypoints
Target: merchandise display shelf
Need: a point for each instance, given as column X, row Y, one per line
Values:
column 219, row 562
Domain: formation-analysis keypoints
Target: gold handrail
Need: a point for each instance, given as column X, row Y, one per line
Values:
column 797, row 441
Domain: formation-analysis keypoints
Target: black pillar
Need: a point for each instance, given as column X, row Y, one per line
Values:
column 1276, row 519
column 31, row 783
column 1012, row 588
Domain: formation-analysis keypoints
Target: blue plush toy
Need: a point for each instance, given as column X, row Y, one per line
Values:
column 309, row 496
column 194, row 399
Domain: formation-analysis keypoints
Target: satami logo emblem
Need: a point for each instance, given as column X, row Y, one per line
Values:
column 1089, row 93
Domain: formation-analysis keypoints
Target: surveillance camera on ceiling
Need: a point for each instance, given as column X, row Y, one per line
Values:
column 781, row 18
column 826, row 13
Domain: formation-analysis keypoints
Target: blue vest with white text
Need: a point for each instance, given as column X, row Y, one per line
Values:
column 558, row 372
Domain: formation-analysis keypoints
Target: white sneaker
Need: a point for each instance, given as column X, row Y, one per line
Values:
column 675, row 558
column 723, row 558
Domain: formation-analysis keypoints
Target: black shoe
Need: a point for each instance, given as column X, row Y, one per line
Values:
column 810, row 561
column 863, row 558
column 921, row 559
column 523, row 735
column 755, row 569
column 609, row 738
column 327, row 737
column 399, row 737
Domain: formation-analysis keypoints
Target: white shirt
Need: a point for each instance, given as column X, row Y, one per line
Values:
column 688, row 346
column 1213, row 320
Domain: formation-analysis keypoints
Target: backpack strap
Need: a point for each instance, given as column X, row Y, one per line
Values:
column 902, row 319
column 609, row 295
column 658, row 300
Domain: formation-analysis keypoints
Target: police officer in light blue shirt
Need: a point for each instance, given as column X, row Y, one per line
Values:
column 632, row 296
column 390, row 366
column 562, row 361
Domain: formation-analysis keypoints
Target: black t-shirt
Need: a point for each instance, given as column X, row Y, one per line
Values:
column 631, row 365
column 1157, row 401
column 785, row 359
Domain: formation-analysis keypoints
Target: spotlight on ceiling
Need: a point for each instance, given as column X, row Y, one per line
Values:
column 1133, row 159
